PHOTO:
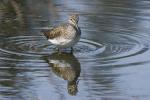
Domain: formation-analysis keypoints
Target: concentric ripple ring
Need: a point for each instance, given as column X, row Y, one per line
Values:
column 37, row 46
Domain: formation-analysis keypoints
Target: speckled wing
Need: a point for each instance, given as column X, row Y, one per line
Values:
column 55, row 32
column 51, row 34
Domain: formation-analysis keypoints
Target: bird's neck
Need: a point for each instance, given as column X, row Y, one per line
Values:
column 74, row 24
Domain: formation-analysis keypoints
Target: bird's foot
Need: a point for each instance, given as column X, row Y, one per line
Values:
column 58, row 50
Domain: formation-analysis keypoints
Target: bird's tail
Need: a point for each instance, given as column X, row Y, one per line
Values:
column 46, row 31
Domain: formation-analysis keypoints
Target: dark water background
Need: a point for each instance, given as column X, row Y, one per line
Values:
column 111, row 61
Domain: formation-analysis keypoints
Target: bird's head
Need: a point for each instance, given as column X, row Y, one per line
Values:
column 73, row 19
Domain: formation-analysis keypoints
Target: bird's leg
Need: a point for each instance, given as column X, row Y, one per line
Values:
column 71, row 50
column 59, row 50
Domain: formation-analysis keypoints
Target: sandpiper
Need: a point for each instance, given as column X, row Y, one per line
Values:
column 65, row 35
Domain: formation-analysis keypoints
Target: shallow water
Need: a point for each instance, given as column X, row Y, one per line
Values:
column 111, row 61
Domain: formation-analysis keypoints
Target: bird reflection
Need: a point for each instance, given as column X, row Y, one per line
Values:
column 66, row 66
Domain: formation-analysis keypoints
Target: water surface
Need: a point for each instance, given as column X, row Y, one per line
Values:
column 111, row 61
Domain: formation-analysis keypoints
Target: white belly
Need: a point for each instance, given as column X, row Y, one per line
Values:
column 64, row 42
column 60, row 41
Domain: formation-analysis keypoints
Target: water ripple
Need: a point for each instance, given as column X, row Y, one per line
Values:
column 37, row 46
column 34, row 47
column 126, row 46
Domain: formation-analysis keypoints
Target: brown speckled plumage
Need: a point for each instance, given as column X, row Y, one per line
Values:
column 65, row 35
column 55, row 32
